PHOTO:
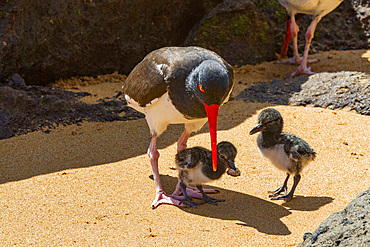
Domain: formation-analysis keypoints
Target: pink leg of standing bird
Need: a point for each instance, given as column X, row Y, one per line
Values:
column 161, row 197
column 302, row 69
column 181, row 143
column 294, row 29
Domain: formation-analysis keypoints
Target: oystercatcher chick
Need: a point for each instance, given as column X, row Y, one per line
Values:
column 195, row 168
column 316, row 8
column 286, row 151
column 175, row 85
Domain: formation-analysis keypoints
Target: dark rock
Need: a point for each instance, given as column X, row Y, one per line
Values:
column 275, row 92
column 43, row 108
column 350, row 227
column 238, row 31
column 120, row 95
column 45, row 41
column 362, row 10
column 336, row 91
column 307, row 235
column 16, row 81
column 326, row 90
column 82, row 94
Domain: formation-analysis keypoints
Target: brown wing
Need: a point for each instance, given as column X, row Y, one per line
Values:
column 146, row 81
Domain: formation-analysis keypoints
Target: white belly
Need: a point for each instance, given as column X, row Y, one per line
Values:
column 161, row 112
column 196, row 176
column 310, row 7
column 277, row 156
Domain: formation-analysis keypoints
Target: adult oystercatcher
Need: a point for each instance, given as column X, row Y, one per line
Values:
column 175, row 85
column 286, row 151
column 195, row 168
column 316, row 8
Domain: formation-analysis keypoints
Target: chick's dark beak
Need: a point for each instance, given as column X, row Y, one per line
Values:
column 257, row 128
column 231, row 165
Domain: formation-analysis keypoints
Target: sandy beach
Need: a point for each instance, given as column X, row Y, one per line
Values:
column 91, row 185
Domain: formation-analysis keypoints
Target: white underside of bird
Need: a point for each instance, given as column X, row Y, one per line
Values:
column 195, row 175
column 169, row 115
column 310, row 7
column 279, row 158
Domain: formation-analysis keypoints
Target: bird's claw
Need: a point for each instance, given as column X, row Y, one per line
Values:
column 211, row 200
column 207, row 191
column 163, row 198
column 188, row 202
column 286, row 198
column 278, row 191
column 303, row 71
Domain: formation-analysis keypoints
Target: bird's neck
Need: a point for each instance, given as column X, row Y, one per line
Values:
column 268, row 139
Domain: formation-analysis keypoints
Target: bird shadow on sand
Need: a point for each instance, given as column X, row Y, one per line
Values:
column 307, row 203
column 246, row 210
column 250, row 211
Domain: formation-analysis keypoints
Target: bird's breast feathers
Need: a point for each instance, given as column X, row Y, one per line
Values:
column 277, row 156
column 161, row 112
column 310, row 7
column 194, row 175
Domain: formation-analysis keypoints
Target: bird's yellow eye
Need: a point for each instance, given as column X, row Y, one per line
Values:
column 201, row 88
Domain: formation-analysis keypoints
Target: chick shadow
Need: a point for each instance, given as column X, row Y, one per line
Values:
column 244, row 209
column 307, row 203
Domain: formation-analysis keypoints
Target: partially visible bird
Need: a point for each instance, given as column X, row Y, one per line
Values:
column 195, row 168
column 316, row 8
column 175, row 85
column 287, row 152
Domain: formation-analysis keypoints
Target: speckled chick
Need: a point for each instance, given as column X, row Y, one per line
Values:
column 286, row 151
column 195, row 168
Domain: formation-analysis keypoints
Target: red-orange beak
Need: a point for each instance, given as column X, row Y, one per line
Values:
column 212, row 114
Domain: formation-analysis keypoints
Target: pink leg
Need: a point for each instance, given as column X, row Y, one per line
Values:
column 181, row 143
column 161, row 196
column 294, row 29
column 302, row 69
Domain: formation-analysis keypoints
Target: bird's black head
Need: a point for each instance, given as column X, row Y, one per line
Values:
column 210, row 82
column 227, row 151
column 269, row 120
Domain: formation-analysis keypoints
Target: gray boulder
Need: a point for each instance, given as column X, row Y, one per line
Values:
column 350, row 227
